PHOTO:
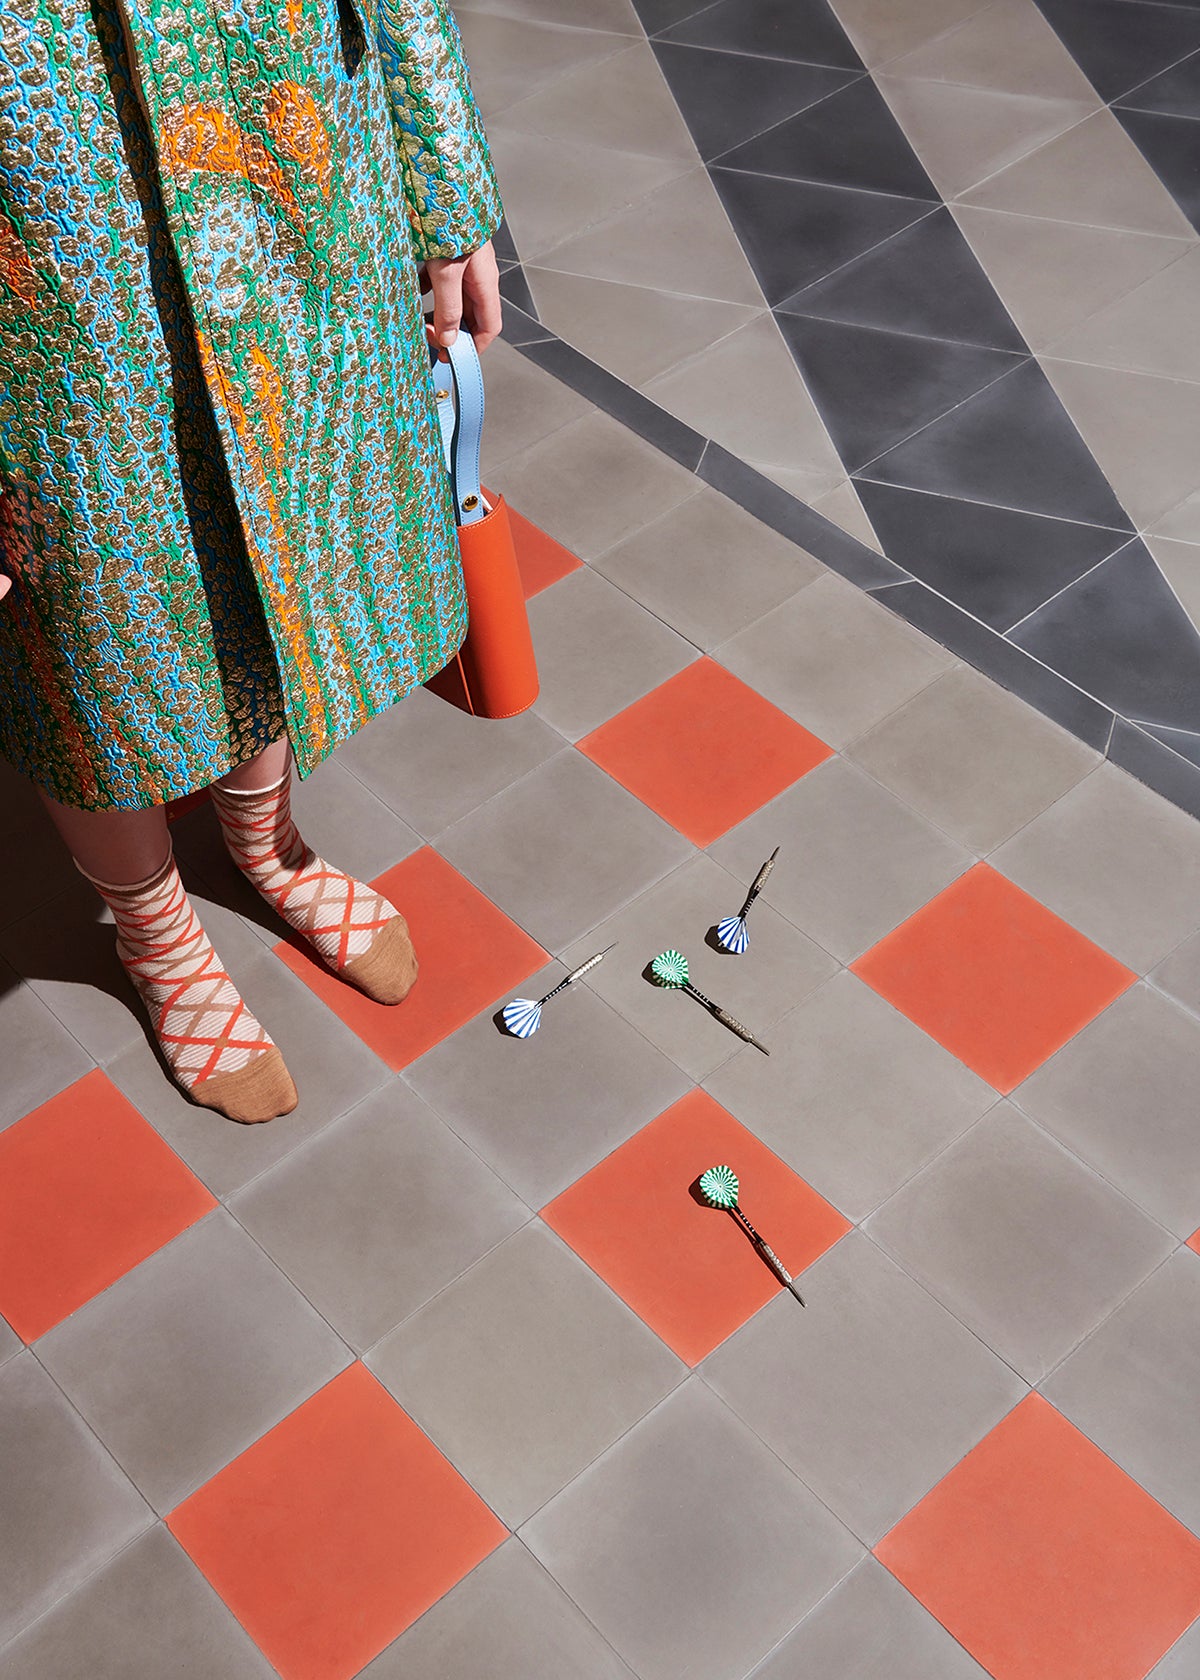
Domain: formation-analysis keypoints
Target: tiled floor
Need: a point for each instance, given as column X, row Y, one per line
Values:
column 451, row 1374
column 930, row 268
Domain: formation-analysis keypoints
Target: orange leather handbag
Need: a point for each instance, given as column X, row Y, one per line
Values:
column 494, row 673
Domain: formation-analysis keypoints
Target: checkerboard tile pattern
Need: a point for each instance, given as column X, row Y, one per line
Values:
column 461, row 1376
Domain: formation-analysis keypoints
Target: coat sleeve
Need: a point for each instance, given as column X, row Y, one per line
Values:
column 453, row 201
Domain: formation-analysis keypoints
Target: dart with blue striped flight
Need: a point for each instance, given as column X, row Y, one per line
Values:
column 523, row 1016
column 732, row 935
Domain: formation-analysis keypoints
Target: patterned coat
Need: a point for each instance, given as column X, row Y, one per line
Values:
column 224, row 507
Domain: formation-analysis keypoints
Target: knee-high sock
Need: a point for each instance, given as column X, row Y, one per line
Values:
column 362, row 937
column 216, row 1049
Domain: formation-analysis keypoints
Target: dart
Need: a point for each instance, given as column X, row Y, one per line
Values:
column 523, row 1016
column 670, row 969
column 731, row 933
column 719, row 1187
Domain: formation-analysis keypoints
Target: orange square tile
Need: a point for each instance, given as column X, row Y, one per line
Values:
column 335, row 1531
column 1047, row 1561
column 993, row 975
column 688, row 1269
column 1194, row 1241
column 88, row 1190
column 470, row 953
column 704, row 751
column 540, row 560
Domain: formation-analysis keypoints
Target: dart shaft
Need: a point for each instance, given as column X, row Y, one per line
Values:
column 760, row 881
column 575, row 974
column 768, row 1253
column 726, row 1019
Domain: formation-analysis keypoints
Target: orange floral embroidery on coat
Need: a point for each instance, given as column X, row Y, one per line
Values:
column 294, row 124
column 204, row 137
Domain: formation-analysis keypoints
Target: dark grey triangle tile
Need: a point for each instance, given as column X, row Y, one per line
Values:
column 850, row 139
column 727, row 97
column 1045, row 690
column 805, row 30
column 795, row 232
column 925, row 280
column 998, row 564
column 504, row 244
column 1176, row 93
column 1157, row 766
column 1013, row 445
column 873, row 388
column 1121, row 634
column 1118, row 46
column 514, row 289
column 1171, row 146
column 1181, row 741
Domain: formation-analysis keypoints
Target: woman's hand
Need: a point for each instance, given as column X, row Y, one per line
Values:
column 466, row 293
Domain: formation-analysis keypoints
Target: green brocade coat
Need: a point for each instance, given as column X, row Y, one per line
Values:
column 224, row 509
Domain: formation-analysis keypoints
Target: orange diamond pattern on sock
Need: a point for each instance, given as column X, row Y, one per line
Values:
column 340, row 917
column 196, row 1011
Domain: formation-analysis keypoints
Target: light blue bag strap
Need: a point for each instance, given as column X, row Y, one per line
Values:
column 458, row 384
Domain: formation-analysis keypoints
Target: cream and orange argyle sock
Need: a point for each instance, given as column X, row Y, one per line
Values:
column 362, row 937
column 217, row 1051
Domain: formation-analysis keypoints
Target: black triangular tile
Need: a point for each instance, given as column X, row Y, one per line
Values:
column 1142, row 755
column 997, row 564
column 926, row 280
column 727, row 97
column 795, row 232
column 1117, row 45
column 1176, row 93
column 1013, row 445
column 1171, row 146
column 873, row 388
column 514, row 288
column 1121, row 634
column 806, row 30
column 849, row 140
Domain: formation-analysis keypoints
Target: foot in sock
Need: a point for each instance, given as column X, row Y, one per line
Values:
column 362, row 937
column 216, row 1050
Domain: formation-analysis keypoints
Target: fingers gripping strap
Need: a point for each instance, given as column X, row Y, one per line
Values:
column 461, row 422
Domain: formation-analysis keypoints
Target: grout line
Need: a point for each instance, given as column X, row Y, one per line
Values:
column 1066, row 588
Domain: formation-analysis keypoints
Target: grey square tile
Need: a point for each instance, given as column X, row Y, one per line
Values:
column 1138, row 1059
column 592, row 483
column 689, row 1545
column 508, row 1620
column 332, row 1068
column 1010, row 47
column 973, row 758
column 856, row 861
column 190, row 1357
column 872, row 1395
column 553, row 188
column 434, row 764
column 563, row 849
column 709, row 569
column 880, row 1097
column 511, row 57
column 525, row 1370
column 377, row 1214
column 677, row 239
column 633, row 331
column 835, row 660
column 1132, row 1386
column 1182, row 1661
column 781, row 967
column 1117, row 862
column 1020, row 1240
column 41, row 1058
column 542, row 1110
column 64, row 1504
column 1179, row 974
column 583, row 614
column 65, row 952
column 147, row 1614
column 870, row 1628
column 524, row 405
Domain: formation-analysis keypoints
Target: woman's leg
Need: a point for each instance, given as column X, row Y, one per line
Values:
column 219, row 1054
column 354, row 929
